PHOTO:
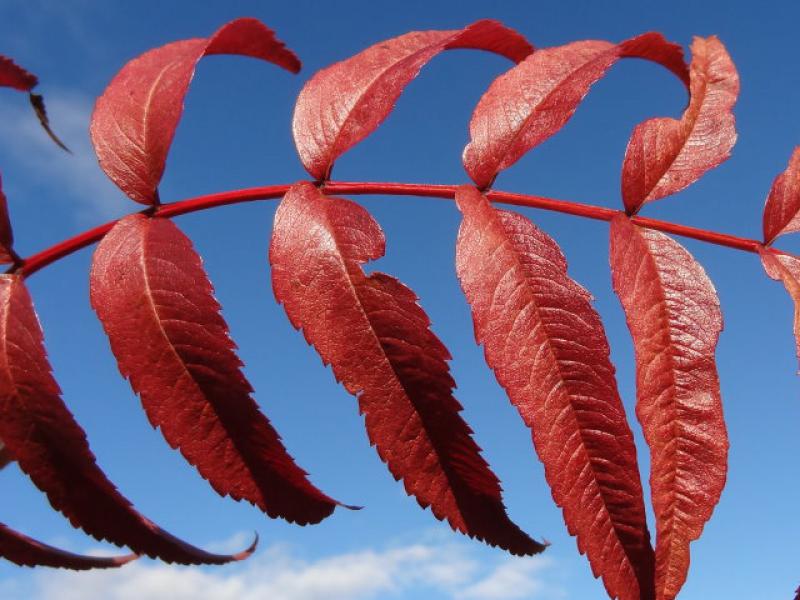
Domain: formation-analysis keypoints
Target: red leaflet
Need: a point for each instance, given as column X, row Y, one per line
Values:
column 532, row 101
column 547, row 347
column 376, row 338
column 782, row 210
column 27, row 552
column 6, row 234
column 786, row 269
column 135, row 119
column 157, row 306
column 42, row 435
column 666, row 155
column 674, row 317
column 344, row 103
column 14, row 76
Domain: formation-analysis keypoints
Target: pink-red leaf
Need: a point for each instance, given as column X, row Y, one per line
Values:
column 27, row 552
column 14, row 76
column 135, row 119
column 786, row 269
column 377, row 339
column 532, row 101
column 344, row 103
column 666, row 155
column 674, row 317
column 782, row 210
column 546, row 345
column 51, row 448
column 157, row 306
column 7, row 254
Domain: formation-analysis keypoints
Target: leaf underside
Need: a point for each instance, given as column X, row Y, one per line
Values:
column 674, row 317
column 377, row 339
column 157, row 306
column 27, row 552
column 547, row 348
column 51, row 448
column 782, row 209
column 135, row 118
column 345, row 102
column 786, row 269
column 534, row 100
column 666, row 155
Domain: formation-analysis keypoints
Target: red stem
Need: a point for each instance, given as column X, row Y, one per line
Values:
column 54, row 253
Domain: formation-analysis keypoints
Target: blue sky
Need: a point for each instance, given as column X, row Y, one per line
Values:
column 236, row 133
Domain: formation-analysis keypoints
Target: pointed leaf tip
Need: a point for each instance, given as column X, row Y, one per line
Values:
column 149, row 289
column 547, row 347
column 666, row 155
column 377, row 339
column 782, row 209
column 344, row 103
column 135, row 119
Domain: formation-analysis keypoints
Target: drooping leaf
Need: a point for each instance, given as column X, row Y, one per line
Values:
column 157, row 306
column 51, row 448
column 135, row 119
column 674, row 317
column 377, row 339
column 27, row 552
column 14, row 76
column 547, row 348
column 782, row 210
column 666, row 155
column 6, row 233
column 345, row 102
column 786, row 269
column 532, row 101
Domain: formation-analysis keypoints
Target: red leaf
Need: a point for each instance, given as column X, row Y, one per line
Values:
column 786, row 269
column 14, row 76
column 376, row 337
column 157, row 306
column 782, row 210
column 345, row 102
column 5, row 455
column 546, row 345
column 51, row 448
column 674, row 317
column 7, row 254
column 532, row 101
column 27, row 552
column 135, row 119
column 666, row 155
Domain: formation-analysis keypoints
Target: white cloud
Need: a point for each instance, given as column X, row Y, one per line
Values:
column 452, row 570
column 51, row 172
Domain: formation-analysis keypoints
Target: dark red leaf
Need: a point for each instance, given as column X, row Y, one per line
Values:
column 782, row 210
column 376, row 338
column 27, row 552
column 157, row 306
column 135, row 119
column 674, row 317
column 546, row 345
column 666, row 155
column 5, row 455
column 532, row 101
column 786, row 269
column 51, row 448
column 14, row 76
column 7, row 254
column 345, row 102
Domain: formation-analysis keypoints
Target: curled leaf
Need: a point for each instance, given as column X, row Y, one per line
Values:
column 378, row 341
column 674, row 317
column 786, row 269
column 345, row 102
column 51, row 448
column 27, row 552
column 666, row 155
column 534, row 100
column 135, row 118
column 782, row 209
column 157, row 306
column 547, row 348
